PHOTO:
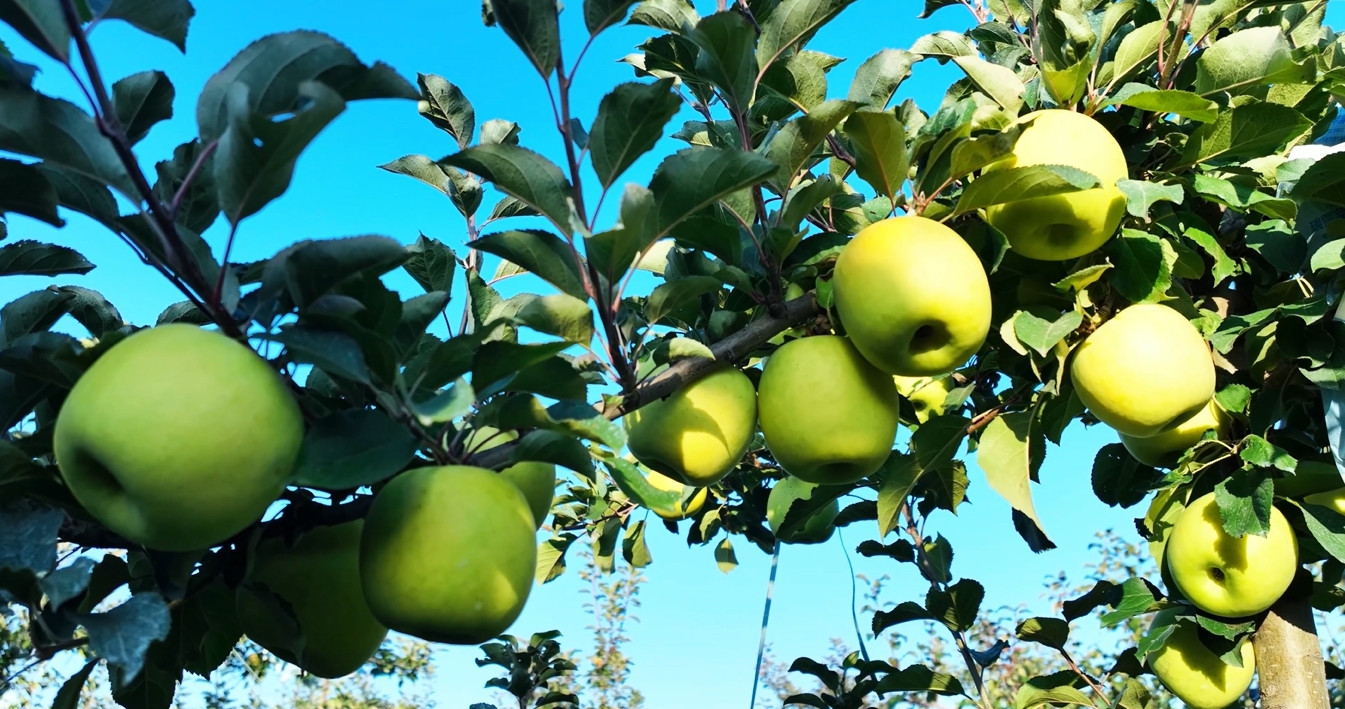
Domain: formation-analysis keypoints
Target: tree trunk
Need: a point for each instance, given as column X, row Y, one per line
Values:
column 1289, row 658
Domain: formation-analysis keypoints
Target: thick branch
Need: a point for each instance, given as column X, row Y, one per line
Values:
column 1289, row 657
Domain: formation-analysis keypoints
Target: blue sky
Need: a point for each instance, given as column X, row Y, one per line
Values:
column 694, row 620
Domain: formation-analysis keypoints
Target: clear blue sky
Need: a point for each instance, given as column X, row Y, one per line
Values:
column 695, row 621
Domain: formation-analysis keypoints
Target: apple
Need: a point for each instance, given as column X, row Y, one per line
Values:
column 927, row 396
column 1192, row 671
column 448, row 554
column 536, row 480
column 1223, row 575
column 913, row 296
column 819, row 526
column 675, row 509
column 178, row 438
column 319, row 577
column 1145, row 371
column 1163, row 450
column 1333, row 500
column 698, row 434
column 828, row 415
column 1309, row 477
column 1063, row 226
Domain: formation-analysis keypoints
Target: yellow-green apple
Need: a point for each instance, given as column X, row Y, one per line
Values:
column 1333, row 500
column 1063, row 226
column 1163, row 450
column 536, row 480
column 1222, row 574
column 828, row 415
column 698, row 434
column 319, row 578
column 1145, row 371
column 913, row 296
column 1310, row 477
column 671, row 507
column 178, row 438
column 819, row 526
column 1192, row 671
column 927, row 395
column 448, row 554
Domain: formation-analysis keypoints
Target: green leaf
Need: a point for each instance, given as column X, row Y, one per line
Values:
column 551, row 557
column 28, row 537
column 1327, row 526
column 899, row 475
column 142, row 100
column 465, row 192
column 918, row 678
column 879, row 144
column 561, row 315
column 1137, row 48
column 313, row 268
column 66, row 582
column 90, row 309
column 333, row 352
column 40, row 22
column 666, row 15
column 1261, row 453
column 34, row 312
column 446, row 405
column 1020, row 183
column 1051, row 632
column 1143, row 272
column 669, row 296
column 944, row 45
column 877, row 79
column 794, row 22
column 573, row 418
column 60, row 133
column 123, row 635
column 1141, row 196
column 256, row 156
column 541, row 253
column 534, row 27
column 1042, row 328
column 444, row 105
column 25, row 189
column 34, row 258
column 630, row 122
column 1082, row 278
column 1249, row 58
column 350, row 449
column 1323, row 181
column 972, row 154
column 71, row 689
column 1063, row 44
column 199, row 204
column 1010, row 453
column 1138, row 596
column 601, row 14
column 165, row 19
column 725, row 559
column 1181, row 103
column 1119, row 479
column 1224, row 267
column 496, row 364
column 795, row 143
column 726, row 58
column 694, row 178
column 556, row 448
column 431, row 264
column 522, row 174
column 613, row 252
column 1245, row 501
column 1247, row 130
column 998, row 82
column 957, row 607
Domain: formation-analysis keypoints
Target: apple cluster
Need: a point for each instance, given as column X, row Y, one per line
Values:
column 325, row 601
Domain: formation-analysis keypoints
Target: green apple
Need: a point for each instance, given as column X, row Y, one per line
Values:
column 1063, row 226
column 913, row 296
column 536, row 480
column 828, row 415
column 1334, row 500
column 698, row 434
column 178, row 438
column 927, row 395
column 319, row 577
column 1145, row 371
column 1163, row 450
column 673, row 507
column 819, row 526
column 448, row 554
column 1194, row 673
column 1309, row 477
column 1223, row 575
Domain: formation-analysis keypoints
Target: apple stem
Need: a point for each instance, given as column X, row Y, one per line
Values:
column 1289, row 657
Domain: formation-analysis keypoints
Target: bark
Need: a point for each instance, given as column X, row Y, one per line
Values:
column 1289, row 658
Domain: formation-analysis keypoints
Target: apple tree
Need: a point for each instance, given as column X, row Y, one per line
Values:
column 1119, row 215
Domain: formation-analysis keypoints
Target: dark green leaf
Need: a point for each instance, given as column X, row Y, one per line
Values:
column 431, row 264
column 796, row 142
column 669, row 296
column 1119, row 479
column 464, row 191
column 918, row 678
column 905, row 612
column 794, row 22
column 199, row 204
column 534, row 27
column 1327, row 526
column 879, row 144
column 726, row 58
column 1141, row 196
column 1259, row 452
column 1143, row 272
column 1247, row 130
column 166, row 19
column 444, row 105
column 334, row 352
column 1245, row 501
column 667, row 15
column 25, row 189
column 1019, row 183
column 630, row 121
column 522, row 174
column 1051, row 632
column 66, row 582
column 28, row 537
column 34, row 258
column 35, row 312
column 541, row 253
column 71, row 689
column 40, row 22
column 560, row 315
column 60, row 133
column 956, row 607
column 142, row 100
column 695, row 178
column 601, row 14
column 553, row 447
column 351, row 449
column 1137, row 596
column 877, row 79
column 93, row 311
column 314, row 268
column 122, row 635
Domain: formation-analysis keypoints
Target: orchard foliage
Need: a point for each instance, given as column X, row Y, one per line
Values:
column 768, row 170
